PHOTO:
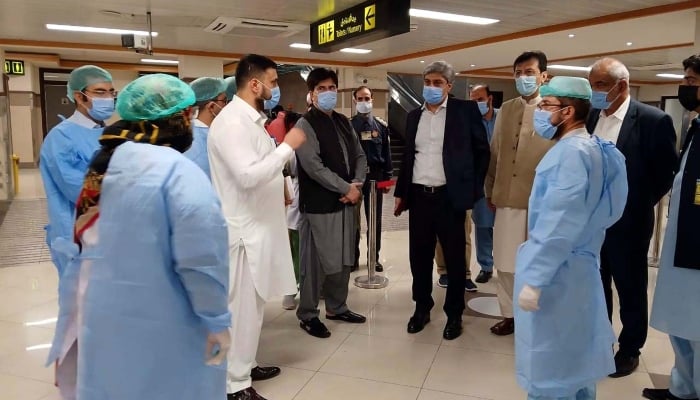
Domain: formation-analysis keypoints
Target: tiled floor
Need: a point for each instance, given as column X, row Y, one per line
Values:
column 376, row 360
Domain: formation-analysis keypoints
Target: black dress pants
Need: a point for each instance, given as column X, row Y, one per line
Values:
column 432, row 217
column 623, row 259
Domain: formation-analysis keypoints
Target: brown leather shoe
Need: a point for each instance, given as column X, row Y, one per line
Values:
column 245, row 394
column 504, row 328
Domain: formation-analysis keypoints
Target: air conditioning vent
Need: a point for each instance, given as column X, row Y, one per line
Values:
column 253, row 27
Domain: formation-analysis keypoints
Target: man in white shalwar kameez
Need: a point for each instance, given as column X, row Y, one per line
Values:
column 246, row 170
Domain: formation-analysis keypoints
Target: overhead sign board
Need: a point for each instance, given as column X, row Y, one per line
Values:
column 363, row 23
column 14, row 67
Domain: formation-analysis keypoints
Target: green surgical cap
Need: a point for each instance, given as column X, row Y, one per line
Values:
column 152, row 97
column 231, row 87
column 206, row 89
column 85, row 76
column 567, row 86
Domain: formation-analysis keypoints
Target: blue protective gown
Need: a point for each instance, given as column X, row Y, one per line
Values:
column 64, row 159
column 158, row 282
column 579, row 190
column 675, row 307
column 198, row 151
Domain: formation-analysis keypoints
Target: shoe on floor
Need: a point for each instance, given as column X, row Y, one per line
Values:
column 288, row 302
column 418, row 322
column 378, row 267
column 484, row 276
column 660, row 394
column 453, row 328
column 315, row 327
column 348, row 316
column 263, row 373
column 469, row 286
column 624, row 365
column 442, row 282
column 245, row 394
column 504, row 328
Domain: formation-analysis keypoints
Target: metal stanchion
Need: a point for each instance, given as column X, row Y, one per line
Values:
column 15, row 172
column 372, row 281
column 658, row 231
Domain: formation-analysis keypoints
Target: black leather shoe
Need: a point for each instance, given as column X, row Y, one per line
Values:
column 315, row 327
column 484, row 277
column 245, row 394
column 417, row 322
column 262, row 373
column 378, row 267
column 453, row 329
column 348, row 316
column 660, row 394
column 624, row 365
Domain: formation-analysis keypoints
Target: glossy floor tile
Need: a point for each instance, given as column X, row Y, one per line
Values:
column 377, row 360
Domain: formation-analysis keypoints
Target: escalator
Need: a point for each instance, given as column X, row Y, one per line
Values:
column 402, row 99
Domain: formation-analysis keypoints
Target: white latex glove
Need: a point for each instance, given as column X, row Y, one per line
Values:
column 221, row 341
column 529, row 298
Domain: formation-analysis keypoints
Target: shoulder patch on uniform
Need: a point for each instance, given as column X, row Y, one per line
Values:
column 381, row 121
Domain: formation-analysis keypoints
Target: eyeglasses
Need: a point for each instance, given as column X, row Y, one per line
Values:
column 101, row 93
column 225, row 101
column 543, row 105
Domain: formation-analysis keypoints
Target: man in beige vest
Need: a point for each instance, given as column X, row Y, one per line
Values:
column 515, row 152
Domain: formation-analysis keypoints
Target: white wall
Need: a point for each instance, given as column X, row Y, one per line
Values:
column 654, row 92
column 195, row 67
column 119, row 80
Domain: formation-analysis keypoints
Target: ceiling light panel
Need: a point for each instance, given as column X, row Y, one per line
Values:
column 91, row 29
column 442, row 16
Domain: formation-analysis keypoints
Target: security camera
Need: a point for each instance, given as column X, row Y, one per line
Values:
column 364, row 81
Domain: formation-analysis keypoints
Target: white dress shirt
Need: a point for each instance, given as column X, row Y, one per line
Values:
column 428, row 169
column 608, row 126
column 80, row 119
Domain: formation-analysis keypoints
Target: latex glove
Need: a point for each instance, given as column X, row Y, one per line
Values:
column 529, row 298
column 219, row 342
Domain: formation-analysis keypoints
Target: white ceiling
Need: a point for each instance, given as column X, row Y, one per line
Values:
column 181, row 24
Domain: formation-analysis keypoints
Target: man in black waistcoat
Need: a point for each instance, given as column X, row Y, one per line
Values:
column 374, row 138
column 332, row 169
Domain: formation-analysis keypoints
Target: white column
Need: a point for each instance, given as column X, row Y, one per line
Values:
column 5, row 140
column 191, row 67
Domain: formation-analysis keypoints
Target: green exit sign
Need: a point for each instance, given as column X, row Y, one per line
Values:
column 14, row 67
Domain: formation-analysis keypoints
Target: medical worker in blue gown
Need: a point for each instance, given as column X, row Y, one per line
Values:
column 230, row 87
column 211, row 99
column 154, row 251
column 563, row 339
column 64, row 158
column 67, row 151
column 676, row 307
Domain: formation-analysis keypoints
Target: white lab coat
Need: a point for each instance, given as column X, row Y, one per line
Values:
column 246, row 170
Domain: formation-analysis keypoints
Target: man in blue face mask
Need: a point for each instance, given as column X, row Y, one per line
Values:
column 563, row 340
column 332, row 169
column 441, row 177
column 647, row 138
column 211, row 99
column 64, row 159
column 515, row 152
column 68, row 149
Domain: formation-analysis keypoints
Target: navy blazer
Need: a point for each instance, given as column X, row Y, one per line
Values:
column 465, row 154
column 648, row 142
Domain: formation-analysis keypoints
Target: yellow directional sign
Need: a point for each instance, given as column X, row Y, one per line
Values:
column 370, row 17
column 326, row 32
column 14, row 67
column 7, row 67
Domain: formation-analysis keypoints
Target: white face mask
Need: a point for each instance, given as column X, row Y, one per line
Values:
column 364, row 107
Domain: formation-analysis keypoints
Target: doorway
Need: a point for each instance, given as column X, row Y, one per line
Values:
column 54, row 99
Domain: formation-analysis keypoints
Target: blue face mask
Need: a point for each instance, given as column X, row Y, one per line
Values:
column 432, row 94
column 327, row 100
column 542, row 120
column 526, row 85
column 599, row 100
column 275, row 99
column 483, row 107
column 102, row 109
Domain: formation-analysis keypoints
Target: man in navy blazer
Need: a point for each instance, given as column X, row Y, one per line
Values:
column 647, row 138
column 442, row 175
